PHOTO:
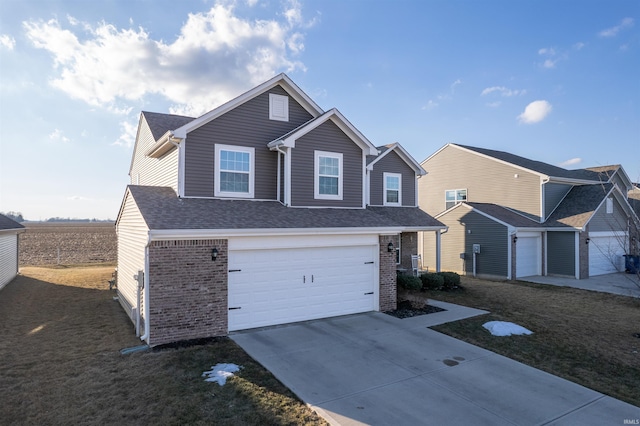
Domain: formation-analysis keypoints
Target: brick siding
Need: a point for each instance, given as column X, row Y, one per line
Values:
column 188, row 290
column 408, row 247
column 388, row 275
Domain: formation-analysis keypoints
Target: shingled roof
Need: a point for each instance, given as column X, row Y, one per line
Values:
column 579, row 205
column 7, row 223
column 163, row 210
column 506, row 215
column 537, row 166
column 161, row 123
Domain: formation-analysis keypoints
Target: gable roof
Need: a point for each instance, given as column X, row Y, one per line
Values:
column 7, row 223
column 159, row 123
column 531, row 165
column 338, row 119
column 579, row 205
column 162, row 210
column 402, row 153
column 610, row 171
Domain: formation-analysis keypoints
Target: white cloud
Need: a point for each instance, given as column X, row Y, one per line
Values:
column 503, row 91
column 552, row 57
column 454, row 84
column 7, row 42
column 216, row 56
column 579, row 45
column 535, row 112
column 494, row 104
column 78, row 198
column 613, row 31
column 571, row 162
column 430, row 105
column 57, row 136
column 129, row 130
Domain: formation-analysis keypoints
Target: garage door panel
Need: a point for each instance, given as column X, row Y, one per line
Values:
column 287, row 285
column 528, row 256
column 605, row 254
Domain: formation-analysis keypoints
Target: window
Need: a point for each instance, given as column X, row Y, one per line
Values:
column 278, row 107
column 392, row 186
column 609, row 205
column 328, row 176
column 234, row 171
column 454, row 196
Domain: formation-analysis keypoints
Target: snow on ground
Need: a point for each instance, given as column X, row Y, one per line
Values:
column 503, row 328
column 220, row 373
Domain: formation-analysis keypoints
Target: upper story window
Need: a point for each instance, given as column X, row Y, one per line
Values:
column 278, row 107
column 234, row 171
column 609, row 205
column 328, row 175
column 392, row 189
column 454, row 196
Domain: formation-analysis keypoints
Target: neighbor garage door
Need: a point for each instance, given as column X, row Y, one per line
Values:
column 605, row 254
column 528, row 254
column 278, row 286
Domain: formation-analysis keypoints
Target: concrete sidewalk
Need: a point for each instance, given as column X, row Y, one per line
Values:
column 618, row 283
column 376, row 369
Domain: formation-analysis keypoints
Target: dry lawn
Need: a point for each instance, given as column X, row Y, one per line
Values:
column 587, row 337
column 61, row 334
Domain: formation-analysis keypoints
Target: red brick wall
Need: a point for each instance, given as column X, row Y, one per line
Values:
column 388, row 276
column 187, row 290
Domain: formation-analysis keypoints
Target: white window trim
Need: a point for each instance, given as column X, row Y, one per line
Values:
column 456, row 201
column 609, row 205
column 274, row 100
column 385, row 175
column 216, row 191
column 316, row 174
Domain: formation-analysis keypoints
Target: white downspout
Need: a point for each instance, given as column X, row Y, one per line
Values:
column 147, row 329
column 287, row 176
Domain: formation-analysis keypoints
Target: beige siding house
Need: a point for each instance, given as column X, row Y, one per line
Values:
column 9, row 249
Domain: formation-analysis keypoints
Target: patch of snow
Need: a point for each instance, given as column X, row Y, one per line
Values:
column 220, row 373
column 503, row 328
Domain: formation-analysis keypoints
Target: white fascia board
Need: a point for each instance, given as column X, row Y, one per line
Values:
column 127, row 191
column 12, row 231
column 451, row 209
column 346, row 126
column 515, row 166
column 135, row 145
column 555, row 179
column 404, row 155
column 434, row 154
column 282, row 79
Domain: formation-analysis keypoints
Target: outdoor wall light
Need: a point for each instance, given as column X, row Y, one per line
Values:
column 515, row 238
column 587, row 240
column 214, row 254
column 390, row 248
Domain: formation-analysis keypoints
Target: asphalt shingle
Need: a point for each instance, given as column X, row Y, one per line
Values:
column 7, row 223
column 161, row 123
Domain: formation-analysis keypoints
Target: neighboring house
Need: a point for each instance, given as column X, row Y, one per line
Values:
column 525, row 217
column 9, row 249
column 263, row 211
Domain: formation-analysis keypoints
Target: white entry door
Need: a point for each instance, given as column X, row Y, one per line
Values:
column 278, row 286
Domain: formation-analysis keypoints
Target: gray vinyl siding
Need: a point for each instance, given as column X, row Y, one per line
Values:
column 247, row 125
column 561, row 259
column 148, row 171
column 486, row 181
column 492, row 237
column 392, row 163
column 603, row 221
column 553, row 194
column 8, row 257
column 326, row 137
column 132, row 238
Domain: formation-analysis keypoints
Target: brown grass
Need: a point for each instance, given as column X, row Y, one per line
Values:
column 60, row 364
column 583, row 336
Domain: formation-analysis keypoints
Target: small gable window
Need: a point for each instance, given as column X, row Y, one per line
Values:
column 234, row 171
column 454, row 196
column 392, row 189
column 328, row 175
column 278, row 107
column 609, row 205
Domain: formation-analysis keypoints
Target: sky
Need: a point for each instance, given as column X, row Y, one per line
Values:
column 554, row 81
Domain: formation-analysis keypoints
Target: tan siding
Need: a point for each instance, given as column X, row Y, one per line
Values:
column 326, row 137
column 392, row 163
column 161, row 171
column 8, row 257
column 132, row 239
column 247, row 125
column 486, row 181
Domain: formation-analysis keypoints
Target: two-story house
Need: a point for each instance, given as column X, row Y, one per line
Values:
column 511, row 217
column 263, row 211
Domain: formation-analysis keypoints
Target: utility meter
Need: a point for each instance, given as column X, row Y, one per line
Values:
column 476, row 248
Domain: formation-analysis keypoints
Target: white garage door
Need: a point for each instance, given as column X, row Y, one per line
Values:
column 278, row 286
column 605, row 254
column 528, row 255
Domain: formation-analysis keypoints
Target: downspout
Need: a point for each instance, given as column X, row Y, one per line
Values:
column 145, row 336
column 279, row 149
column 180, row 180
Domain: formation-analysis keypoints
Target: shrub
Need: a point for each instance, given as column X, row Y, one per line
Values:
column 409, row 282
column 432, row 281
column 451, row 280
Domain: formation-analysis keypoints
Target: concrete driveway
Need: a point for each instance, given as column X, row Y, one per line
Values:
column 618, row 283
column 376, row 369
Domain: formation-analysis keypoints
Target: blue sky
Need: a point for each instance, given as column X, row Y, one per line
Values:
column 555, row 81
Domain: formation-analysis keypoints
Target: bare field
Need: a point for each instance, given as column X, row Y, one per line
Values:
column 75, row 243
